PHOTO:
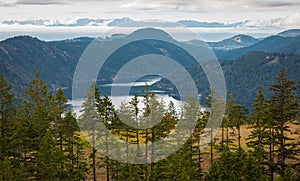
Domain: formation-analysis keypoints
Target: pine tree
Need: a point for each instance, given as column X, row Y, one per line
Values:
column 232, row 165
column 186, row 168
column 147, row 95
column 6, row 170
column 36, row 120
column 259, row 136
column 228, row 125
column 206, row 115
column 163, row 169
column 7, row 111
column 106, row 112
column 49, row 159
column 135, row 115
column 88, row 122
column 239, row 118
column 284, row 109
column 80, row 164
column 75, row 165
column 156, row 132
column 38, row 108
column 58, row 106
column 129, row 112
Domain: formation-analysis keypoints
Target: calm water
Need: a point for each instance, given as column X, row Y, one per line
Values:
column 136, row 87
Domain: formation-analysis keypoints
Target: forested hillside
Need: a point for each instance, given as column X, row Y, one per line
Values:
column 21, row 56
column 56, row 61
column 40, row 138
column 272, row 44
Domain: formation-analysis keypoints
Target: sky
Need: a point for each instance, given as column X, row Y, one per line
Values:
column 261, row 18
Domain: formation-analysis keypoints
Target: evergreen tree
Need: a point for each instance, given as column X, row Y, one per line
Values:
column 234, row 166
column 163, row 169
column 156, row 132
column 284, row 109
column 75, row 165
column 228, row 125
column 106, row 112
column 239, row 118
column 147, row 95
column 259, row 136
column 7, row 111
column 88, row 122
column 49, row 159
column 131, row 113
column 214, row 106
column 35, row 114
column 186, row 168
column 37, row 107
column 135, row 116
column 6, row 170
column 58, row 106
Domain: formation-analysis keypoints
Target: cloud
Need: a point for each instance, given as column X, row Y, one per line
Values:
column 6, row 4
column 26, row 22
column 293, row 20
column 273, row 4
column 78, row 12
column 209, row 5
column 174, row 5
column 55, row 23
column 40, row 2
column 197, row 24
column 53, row 2
column 160, row 5
column 289, row 21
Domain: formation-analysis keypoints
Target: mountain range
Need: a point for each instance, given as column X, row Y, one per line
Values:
column 79, row 22
column 115, row 22
column 247, row 62
column 272, row 44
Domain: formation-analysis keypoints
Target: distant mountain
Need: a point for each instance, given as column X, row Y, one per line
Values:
column 238, row 41
column 196, row 43
column 56, row 61
column 244, row 75
column 119, row 21
column 272, row 44
column 293, row 47
column 290, row 33
column 192, row 23
column 80, row 39
column 36, row 22
column 21, row 56
column 116, row 22
column 78, row 22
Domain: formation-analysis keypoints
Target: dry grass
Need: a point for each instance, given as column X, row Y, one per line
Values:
column 245, row 132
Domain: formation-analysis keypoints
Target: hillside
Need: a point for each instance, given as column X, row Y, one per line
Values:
column 56, row 61
column 244, row 75
column 238, row 41
column 290, row 33
column 21, row 56
column 272, row 44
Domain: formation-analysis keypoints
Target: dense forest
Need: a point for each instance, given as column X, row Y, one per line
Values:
column 40, row 137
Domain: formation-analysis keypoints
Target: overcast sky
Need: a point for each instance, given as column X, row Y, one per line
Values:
column 282, row 14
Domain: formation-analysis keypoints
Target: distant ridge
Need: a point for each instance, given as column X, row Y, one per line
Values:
column 238, row 41
column 272, row 44
column 290, row 33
